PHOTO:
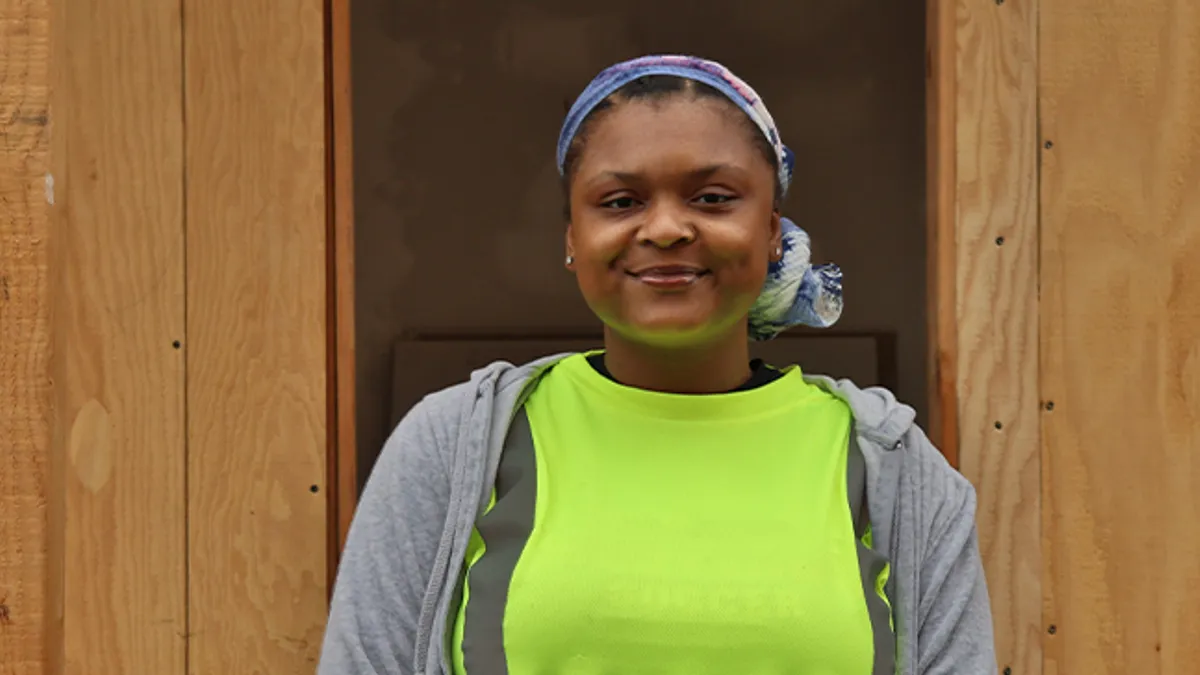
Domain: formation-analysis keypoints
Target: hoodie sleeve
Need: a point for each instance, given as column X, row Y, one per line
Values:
column 954, row 626
column 390, row 552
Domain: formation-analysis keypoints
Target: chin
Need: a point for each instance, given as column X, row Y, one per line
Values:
column 669, row 331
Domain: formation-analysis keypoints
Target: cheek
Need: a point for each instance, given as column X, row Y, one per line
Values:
column 595, row 250
column 743, row 253
column 597, row 245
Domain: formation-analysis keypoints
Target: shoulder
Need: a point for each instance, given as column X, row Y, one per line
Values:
column 422, row 442
column 912, row 479
column 890, row 426
column 430, row 430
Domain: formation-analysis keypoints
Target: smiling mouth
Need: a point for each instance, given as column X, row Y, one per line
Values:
column 669, row 277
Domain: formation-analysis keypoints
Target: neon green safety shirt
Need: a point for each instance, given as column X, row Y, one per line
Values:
column 668, row 534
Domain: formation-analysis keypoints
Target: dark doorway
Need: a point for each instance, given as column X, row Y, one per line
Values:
column 458, row 215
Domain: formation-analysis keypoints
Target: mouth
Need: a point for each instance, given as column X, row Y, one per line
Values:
column 669, row 276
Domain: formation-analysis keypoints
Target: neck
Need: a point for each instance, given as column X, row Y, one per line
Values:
column 711, row 368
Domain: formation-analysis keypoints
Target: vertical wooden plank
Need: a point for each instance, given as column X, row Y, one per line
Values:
column 256, row 179
column 997, row 270
column 941, row 70
column 344, row 444
column 1120, row 100
column 25, row 395
column 118, row 308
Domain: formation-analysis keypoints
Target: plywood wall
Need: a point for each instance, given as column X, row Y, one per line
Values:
column 256, row 390
column 1120, row 334
column 163, row 405
column 119, row 307
column 1078, row 227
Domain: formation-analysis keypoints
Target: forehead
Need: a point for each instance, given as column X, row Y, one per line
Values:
column 638, row 135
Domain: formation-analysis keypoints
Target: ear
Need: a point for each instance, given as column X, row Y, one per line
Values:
column 570, row 245
column 776, row 240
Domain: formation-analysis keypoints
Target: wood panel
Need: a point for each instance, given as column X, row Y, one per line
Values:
column 25, row 395
column 118, row 310
column 1120, row 100
column 941, row 71
column 257, row 387
column 997, row 297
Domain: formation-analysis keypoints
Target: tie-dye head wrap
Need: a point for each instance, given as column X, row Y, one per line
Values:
column 796, row 292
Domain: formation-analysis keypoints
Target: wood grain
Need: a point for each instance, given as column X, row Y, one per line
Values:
column 997, row 272
column 25, row 393
column 257, row 389
column 941, row 72
column 118, row 308
column 343, row 445
column 1120, row 351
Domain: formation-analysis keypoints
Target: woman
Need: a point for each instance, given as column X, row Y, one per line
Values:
column 666, row 505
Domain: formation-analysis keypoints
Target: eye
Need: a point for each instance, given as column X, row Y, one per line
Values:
column 619, row 204
column 714, row 199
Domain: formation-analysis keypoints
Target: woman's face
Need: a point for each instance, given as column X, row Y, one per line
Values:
column 672, row 220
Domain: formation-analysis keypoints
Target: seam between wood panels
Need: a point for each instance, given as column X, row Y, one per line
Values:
column 186, row 338
column 1039, row 133
column 332, row 481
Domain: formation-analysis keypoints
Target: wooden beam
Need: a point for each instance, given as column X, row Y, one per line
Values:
column 26, row 615
column 941, row 60
column 997, row 298
column 118, row 311
column 257, row 334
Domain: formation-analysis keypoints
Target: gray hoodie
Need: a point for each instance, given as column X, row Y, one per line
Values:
column 407, row 544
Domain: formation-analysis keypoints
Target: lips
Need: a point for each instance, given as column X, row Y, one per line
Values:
column 669, row 276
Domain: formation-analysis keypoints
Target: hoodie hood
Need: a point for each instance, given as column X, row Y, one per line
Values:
column 878, row 415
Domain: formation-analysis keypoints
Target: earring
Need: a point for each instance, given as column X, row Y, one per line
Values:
column 570, row 260
column 778, row 251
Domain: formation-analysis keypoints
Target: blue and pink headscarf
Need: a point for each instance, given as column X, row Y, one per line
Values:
column 796, row 292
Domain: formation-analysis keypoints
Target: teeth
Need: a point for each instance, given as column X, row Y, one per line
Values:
column 672, row 275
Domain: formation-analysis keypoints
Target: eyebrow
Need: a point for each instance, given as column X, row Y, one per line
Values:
column 696, row 174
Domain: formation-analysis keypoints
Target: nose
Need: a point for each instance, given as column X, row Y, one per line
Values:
column 666, row 227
